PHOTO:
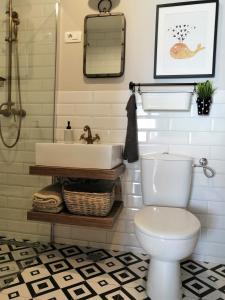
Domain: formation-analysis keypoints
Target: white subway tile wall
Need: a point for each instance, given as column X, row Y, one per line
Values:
column 176, row 132
column 37, row 61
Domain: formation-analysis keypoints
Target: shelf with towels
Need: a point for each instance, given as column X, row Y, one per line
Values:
column 65, row 217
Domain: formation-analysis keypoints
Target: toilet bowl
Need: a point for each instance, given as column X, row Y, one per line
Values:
column 168, row 235
column 164, row 228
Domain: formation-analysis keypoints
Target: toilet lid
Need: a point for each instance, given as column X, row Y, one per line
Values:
column 167, row 222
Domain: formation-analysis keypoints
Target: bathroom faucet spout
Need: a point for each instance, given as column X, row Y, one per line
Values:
column 89, row 138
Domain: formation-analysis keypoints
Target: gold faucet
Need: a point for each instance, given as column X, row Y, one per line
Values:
column 89, row 139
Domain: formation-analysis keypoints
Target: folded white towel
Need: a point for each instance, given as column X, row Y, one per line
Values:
column 50, row 196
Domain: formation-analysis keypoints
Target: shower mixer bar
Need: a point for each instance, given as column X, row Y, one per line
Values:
column 9, row 111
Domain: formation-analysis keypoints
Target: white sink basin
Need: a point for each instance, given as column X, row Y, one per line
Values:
column 99, row 156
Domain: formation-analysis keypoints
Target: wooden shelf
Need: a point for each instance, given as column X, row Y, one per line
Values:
column 111, row 174
column 70, row 219
column 67, row 218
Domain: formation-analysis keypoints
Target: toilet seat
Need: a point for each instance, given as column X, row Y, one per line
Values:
column 167, row 222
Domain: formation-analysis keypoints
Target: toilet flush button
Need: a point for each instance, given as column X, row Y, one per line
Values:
column 73, row 37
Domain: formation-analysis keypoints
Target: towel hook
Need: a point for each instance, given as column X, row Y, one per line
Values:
column 139, row 89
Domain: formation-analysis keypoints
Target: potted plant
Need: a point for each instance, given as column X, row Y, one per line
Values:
column 204, row 92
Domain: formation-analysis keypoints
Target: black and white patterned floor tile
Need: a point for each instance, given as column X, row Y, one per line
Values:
column 15, row 256
column 62, row 272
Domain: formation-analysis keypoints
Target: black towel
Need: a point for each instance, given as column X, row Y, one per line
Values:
column 131, row 145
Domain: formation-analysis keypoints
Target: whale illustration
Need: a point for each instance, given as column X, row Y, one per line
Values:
column 181, row 51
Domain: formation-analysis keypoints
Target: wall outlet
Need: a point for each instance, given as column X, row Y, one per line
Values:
column 73, row 37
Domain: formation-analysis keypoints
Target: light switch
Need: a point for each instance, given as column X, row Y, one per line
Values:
column 73, row 36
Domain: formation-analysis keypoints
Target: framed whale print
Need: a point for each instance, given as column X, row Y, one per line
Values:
column 185, row 39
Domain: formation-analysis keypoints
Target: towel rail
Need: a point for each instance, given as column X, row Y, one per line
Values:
column 132, row 85
column 164, row 92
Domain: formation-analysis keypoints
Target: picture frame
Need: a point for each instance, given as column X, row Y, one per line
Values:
column 185, row 39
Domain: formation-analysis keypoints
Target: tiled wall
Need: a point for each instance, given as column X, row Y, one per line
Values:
column 177, row 132
column 37, row 61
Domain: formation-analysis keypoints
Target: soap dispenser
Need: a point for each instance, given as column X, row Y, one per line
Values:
column 68, row 134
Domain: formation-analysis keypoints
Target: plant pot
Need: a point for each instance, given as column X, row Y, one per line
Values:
column 203, row 106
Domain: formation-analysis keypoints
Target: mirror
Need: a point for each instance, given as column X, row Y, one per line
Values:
column 104, row 45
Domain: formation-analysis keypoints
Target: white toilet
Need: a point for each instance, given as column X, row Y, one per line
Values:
column 164, row 228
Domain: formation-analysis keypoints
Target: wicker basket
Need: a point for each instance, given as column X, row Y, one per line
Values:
column 90, row 202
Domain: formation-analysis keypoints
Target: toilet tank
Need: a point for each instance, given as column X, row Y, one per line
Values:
column 166, row 179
